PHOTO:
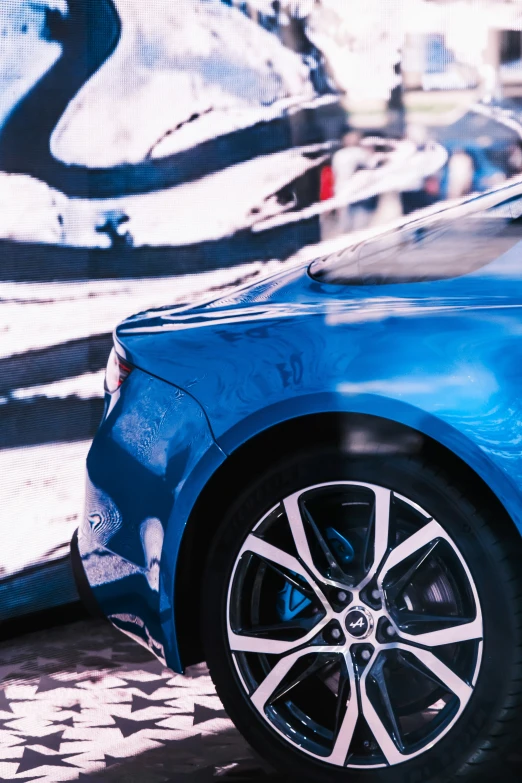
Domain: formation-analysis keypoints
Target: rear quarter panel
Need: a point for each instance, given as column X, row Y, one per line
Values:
column 443, row 357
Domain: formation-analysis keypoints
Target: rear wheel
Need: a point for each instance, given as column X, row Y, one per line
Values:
column 362, row 618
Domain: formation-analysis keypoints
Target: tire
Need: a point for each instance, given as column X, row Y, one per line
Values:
column 469, row 557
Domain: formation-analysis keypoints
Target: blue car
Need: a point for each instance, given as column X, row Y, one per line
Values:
column 314, row 484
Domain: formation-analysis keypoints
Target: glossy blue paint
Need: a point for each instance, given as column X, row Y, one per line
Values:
column 142, row 477
column 443, row 356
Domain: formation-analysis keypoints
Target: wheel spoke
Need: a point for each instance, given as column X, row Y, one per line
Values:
column 246, row 643
column 460, row 631
column 343, row 695
column 254, row 642
column 436, row 671
column 440, row 672
column 316, row 665
column 270, row 630
column 295, row 520
column 406, row 618
column 394, row 591
column 266, row 691
column 426, row 535
column 345, row 730
column 377, row 675
column 279, row 559
column 380, row 530
column 333, row 565
column 383, row 738
column 303, row 587
column 250, row 642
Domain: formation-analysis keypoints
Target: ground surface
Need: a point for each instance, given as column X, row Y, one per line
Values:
column 83, row 702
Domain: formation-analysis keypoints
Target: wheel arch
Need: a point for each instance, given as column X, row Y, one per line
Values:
column 354, row 433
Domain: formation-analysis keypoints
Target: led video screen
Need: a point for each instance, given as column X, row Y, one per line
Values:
column 159, row 153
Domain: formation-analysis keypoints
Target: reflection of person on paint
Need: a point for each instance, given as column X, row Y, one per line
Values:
column 514, row 159
column 352, row 157
column 395, row 106
column 460, row 174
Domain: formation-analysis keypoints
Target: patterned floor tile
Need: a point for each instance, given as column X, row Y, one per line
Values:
column 90, row 705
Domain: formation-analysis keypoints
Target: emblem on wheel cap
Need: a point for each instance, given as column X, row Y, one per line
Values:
column 359, row 622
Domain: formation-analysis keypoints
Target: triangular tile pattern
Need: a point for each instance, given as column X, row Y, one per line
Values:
column 91, row 705
column 33, row 759
column 51, row 741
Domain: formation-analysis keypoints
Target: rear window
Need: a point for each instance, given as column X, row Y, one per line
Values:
column 457, row 241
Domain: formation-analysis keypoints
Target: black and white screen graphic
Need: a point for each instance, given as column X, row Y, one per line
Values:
column 153, row 152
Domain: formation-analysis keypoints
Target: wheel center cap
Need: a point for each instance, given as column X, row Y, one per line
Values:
column 359, row 622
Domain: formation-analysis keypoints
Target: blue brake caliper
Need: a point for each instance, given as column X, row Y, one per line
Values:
column 342, row 548
column 290, row 600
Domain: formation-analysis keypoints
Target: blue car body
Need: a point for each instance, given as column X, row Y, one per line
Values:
column 442, row 357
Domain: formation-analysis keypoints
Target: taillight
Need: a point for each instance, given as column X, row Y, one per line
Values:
column 117, row 371
column 327, row 184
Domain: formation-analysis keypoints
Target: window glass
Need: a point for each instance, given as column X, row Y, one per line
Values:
column 457, row 241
